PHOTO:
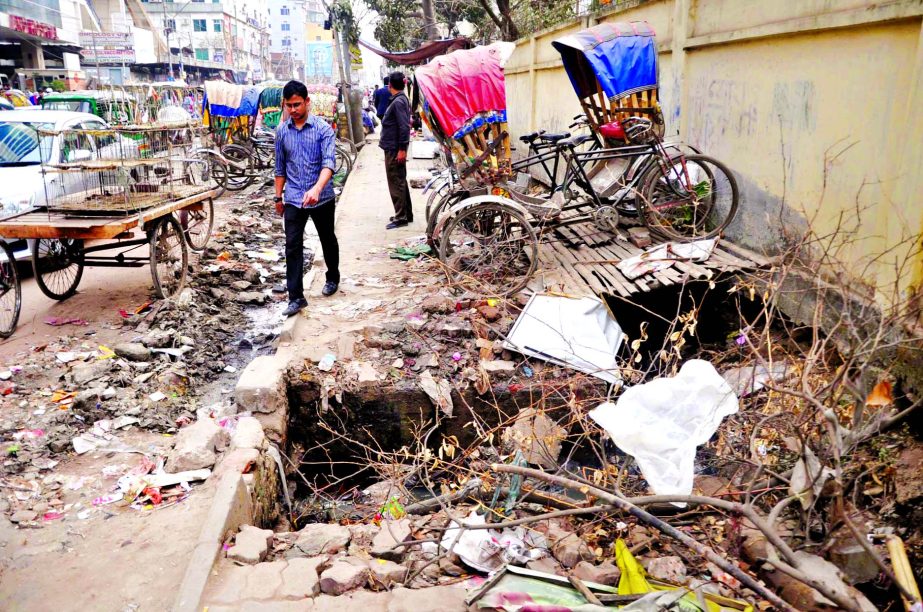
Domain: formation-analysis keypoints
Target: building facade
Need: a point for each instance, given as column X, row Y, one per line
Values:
column 287, row 19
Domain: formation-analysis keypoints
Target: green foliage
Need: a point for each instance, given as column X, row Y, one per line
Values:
column 58, row 85
column 401, row 25
column 341, row 12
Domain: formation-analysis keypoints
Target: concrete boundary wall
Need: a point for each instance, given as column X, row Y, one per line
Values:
column 816, row 105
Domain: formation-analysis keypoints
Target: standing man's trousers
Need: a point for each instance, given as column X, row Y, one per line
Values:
column 397, row 185
column 295, row 220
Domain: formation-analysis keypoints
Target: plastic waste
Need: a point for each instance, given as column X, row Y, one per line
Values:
column 660, row 423
column 326, row 362
column 487, row 550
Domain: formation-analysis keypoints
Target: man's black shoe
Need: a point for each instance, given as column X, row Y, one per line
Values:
column 396, row 224
column 294, row 307
column 330, row 288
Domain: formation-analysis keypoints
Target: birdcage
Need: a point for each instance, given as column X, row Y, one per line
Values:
column 123, row 170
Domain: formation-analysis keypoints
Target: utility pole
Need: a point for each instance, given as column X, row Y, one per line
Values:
column 340, row 47
column 166, row 29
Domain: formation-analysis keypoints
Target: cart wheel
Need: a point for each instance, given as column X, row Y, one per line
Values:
column 10, row 291
column 606, row 218
column 490, row 249
column 197, row 225
column 58, row 266
column 349, row 146
column 206, row 169
column 239, row 168
column 168, row 257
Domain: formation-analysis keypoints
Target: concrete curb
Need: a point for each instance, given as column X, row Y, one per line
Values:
column 231, row 508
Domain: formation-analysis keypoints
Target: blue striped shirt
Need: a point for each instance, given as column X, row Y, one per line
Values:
column 301, row 155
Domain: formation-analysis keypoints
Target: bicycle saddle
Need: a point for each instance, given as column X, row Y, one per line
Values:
column 576, row 141
column 555, row 137
column 530, row 138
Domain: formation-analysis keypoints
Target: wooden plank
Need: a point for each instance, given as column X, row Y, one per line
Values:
column 592, row 283
column 747, row 254
column 565, row 263
column 585, row 258
column 618, row 251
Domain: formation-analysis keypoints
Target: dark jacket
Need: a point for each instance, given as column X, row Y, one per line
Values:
column 380, row 99
column 395, row 125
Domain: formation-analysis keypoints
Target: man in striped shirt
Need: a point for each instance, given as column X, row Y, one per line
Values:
column 305, row 161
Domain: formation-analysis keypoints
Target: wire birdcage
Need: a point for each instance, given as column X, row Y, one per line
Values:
column 124, row 170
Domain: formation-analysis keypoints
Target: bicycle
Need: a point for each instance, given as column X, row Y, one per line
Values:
column 491, row 240
column 10, row 291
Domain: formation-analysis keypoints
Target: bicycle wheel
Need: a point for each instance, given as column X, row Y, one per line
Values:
column 489, row 249
column 208, row 170
column 350, row 146
column 694, row 198
column 240, row 166
column 10, row 291
column 58, row 266
column 344, row 165
column 168, row 257
column 197, row 225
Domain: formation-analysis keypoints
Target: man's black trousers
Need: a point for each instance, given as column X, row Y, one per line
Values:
column 295, row 221
column 397, row 186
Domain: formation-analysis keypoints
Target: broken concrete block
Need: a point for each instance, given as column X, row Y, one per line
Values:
column 196, row 445
column 537, row 436
column 250, row 545
column 360, row 538
column 549, row 565
column 263, row 580
column 568, row 548
column 639, row 236
column 87, row 372
column 132, row 351
column 318, row 539
column 669, row 569
column 249, row 434
column 604, row 573
column 250, row 297
column 438, row 304
column 300, row 578
column 261, row 387
column 384, row 544
column 343, row 576
column 385, row 573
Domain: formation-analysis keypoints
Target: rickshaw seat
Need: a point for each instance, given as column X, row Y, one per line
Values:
column 612, row 130
column 555, row 137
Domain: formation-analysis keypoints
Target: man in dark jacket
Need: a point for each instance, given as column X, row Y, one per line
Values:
column 381, row 98
column 395, row 138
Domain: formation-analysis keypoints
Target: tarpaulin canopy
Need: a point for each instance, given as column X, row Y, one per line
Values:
column 466, row 86
column 621, row 56
column 423, row 53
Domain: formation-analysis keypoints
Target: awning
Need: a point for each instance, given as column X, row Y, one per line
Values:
column 423, row 53
column 621, row 56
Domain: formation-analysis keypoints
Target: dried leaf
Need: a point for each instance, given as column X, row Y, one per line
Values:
column 880, row 395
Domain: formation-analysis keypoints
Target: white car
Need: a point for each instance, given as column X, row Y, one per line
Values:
column 23, row 151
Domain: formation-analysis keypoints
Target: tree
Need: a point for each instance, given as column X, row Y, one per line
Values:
column 400, row 25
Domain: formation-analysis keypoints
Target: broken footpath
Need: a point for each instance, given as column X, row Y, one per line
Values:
column 400, row 447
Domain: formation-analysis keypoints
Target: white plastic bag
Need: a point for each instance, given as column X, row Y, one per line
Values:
column 661, row 423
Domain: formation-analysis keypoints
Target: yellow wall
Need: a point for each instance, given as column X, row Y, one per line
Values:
column 313, row 30
column 816, row 105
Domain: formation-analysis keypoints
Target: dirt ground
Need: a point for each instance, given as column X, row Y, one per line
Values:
column 78, row 555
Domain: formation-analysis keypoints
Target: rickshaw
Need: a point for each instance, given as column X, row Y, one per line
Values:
column 489, row 242
column 115, row 106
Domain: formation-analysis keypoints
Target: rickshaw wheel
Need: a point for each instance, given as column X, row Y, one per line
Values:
column 490, row 249
column 58, row 266
column 10, row 292
column 197, row 225
column 169, row 257
column 240, row 170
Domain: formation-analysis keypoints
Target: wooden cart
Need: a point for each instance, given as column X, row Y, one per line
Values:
column 65, row 243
